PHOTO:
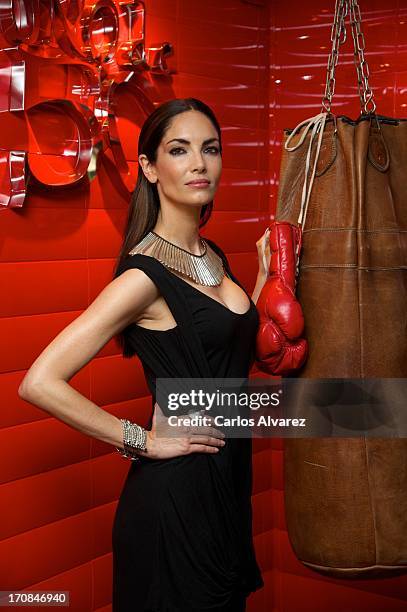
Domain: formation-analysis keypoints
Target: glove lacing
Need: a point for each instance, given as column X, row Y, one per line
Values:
column 318, row 123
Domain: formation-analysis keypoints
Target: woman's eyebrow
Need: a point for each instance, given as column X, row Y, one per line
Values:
column 184, row 141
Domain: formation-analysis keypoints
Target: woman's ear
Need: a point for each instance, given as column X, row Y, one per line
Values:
column 147, row 168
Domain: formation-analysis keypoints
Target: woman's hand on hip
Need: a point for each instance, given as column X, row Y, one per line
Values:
column 164, row 443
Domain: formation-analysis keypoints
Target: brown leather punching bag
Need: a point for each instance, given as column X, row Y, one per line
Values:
column 346, row 498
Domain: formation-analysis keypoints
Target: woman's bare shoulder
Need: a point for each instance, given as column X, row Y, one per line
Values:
column 115, row 307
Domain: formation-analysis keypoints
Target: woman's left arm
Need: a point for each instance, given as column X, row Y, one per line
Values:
column 263, row 251
column 260, row 280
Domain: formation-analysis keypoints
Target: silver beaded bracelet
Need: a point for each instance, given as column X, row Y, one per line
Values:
column 134, row 439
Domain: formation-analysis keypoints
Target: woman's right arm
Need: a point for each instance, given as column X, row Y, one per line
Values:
column 46, row 382
column 46, row 385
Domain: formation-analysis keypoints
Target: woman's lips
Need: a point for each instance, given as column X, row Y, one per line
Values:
column 199, row 184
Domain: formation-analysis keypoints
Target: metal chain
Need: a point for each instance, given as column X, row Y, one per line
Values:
column 362, row 68
column 338, row 37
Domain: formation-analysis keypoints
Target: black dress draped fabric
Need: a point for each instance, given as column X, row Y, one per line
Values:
column 182, row 531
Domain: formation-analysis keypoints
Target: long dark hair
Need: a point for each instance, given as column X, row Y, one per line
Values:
column 145, row 203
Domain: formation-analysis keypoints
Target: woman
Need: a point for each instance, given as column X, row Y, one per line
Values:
column 182, row 538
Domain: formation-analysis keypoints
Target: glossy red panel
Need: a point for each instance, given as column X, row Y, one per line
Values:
column 243, row 190
column 54, row 495
column 56, row 547
column 29, row 285
column 52, row 445
column 129, row 380
column 77, row 580
column 313, row 595
column 102, row 572
column 235, row 61
column 236, row 230
column 15, row 410
column 263, row 519
column 238, row 104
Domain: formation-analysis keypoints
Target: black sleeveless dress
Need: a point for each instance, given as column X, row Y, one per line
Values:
column 182, row 531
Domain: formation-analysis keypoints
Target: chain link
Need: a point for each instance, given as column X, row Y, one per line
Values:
column 338, row 37
column 362, row 68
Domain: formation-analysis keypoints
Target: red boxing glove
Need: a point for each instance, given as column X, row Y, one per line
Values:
column 279, row 348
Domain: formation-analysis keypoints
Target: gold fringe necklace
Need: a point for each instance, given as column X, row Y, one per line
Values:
column 205, row 269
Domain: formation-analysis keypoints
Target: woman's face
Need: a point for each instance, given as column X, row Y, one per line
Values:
column 188, row 164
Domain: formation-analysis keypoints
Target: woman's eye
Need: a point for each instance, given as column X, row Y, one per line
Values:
column 180, row 150
column 212, row 150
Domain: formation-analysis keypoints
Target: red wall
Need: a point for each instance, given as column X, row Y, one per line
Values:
column 59, row 487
